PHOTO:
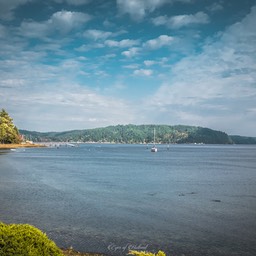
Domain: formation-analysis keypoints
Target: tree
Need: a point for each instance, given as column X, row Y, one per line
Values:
column 8, row 131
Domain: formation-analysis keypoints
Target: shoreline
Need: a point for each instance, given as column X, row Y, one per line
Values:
column 26, row 145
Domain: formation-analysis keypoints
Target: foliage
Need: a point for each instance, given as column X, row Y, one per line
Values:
column 137, row 134
column 207, row 136
column 242, row 139
column 142, row 253
column 24, row 239
column 8, row 131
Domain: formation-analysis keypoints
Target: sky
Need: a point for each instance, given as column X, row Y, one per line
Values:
column 80, row 64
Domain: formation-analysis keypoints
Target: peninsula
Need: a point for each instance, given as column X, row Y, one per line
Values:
column 141, row 134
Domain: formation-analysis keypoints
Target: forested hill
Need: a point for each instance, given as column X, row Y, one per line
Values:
column 140, row 134
column 242, row 139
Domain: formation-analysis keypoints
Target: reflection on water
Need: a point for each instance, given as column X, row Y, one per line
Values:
column 4, row 151
column 191, row 200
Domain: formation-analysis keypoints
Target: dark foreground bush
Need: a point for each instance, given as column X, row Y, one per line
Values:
column 24, row 239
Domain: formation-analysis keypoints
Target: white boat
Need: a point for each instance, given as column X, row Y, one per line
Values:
column 154, row 148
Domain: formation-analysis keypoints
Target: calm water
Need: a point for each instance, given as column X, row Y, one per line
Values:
column 191, row 200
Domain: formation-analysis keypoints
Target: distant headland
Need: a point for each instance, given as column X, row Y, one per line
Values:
column 141, row 134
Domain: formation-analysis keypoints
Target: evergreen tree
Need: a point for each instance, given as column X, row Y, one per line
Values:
column 8, row 131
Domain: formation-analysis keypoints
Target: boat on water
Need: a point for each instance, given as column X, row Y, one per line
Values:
column 154, row 148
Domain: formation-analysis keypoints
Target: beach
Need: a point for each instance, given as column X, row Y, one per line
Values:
column 23, row 145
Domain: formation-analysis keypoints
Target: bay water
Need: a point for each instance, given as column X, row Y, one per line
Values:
column 185, row 199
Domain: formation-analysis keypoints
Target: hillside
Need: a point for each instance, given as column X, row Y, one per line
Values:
column 136, row 134
column 242, row 139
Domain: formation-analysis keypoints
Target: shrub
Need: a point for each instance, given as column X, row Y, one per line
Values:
column 142, row 253
column 24, row 239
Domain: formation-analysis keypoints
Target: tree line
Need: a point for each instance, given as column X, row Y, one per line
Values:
column 136, row 134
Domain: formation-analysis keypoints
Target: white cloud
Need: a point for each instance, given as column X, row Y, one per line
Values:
column 59, row 108
column 15, row 83
column 159, row 42
column 149, row 62
column 125, row 43
column 108, row 24
column 215, row 88
column 161, row 62
column 51, row 93
column 62, row 22
column 73, row 2
column 88, row 47
column 66, row 20
column 95, row 34
column 143, row 72
column 176, row 22
column 131, row 66
column 138, row 8
column 34, row 29
column 49, row 81
column 160, row 20
column 215, row 7
column 132, row 52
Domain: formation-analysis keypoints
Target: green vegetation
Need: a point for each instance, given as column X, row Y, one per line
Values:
column 242, row 139
column 8, row 131
column 142, row 253
column 24, row 239
column 136, row 134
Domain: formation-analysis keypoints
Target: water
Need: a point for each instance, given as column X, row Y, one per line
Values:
column 189, row 200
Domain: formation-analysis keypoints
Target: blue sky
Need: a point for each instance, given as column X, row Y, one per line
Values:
column 78, row 64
